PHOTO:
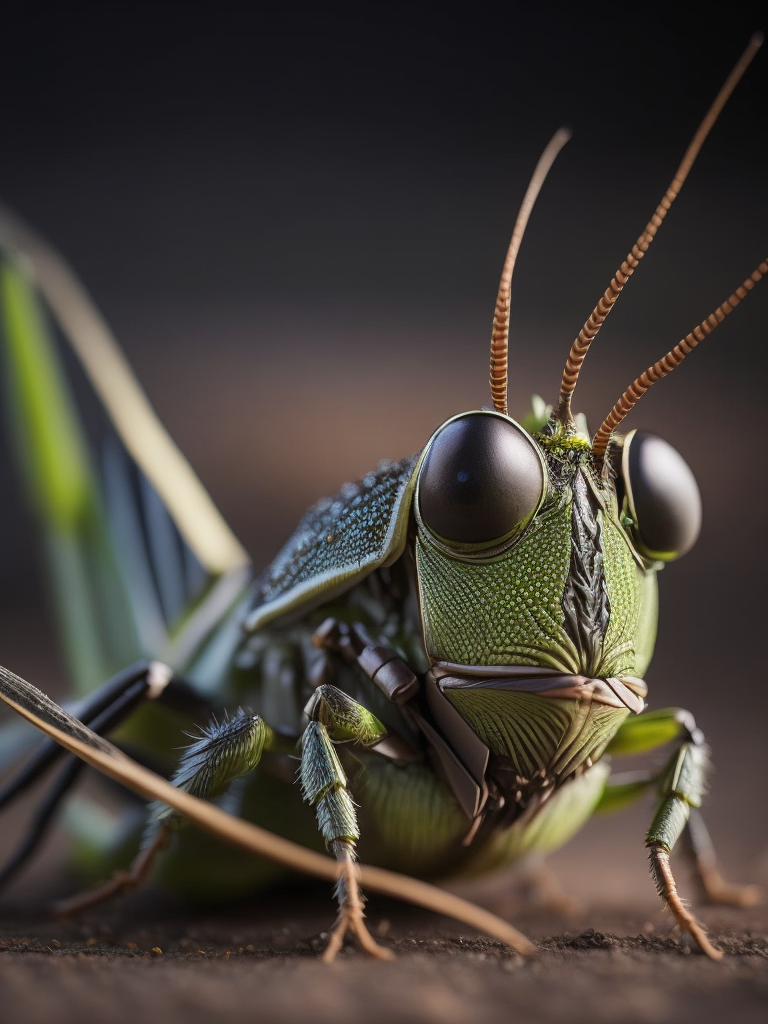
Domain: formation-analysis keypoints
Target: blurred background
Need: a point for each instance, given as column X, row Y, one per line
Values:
column 295, row 224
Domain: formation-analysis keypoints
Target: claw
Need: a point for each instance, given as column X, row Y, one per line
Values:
column 352, row 915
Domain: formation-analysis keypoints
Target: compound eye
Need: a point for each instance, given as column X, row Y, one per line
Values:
column 662, row 497
column 481, row 481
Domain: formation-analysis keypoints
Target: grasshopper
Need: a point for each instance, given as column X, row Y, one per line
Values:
column 451, row 650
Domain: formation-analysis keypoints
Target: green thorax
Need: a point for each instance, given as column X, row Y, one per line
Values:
column 569, row 594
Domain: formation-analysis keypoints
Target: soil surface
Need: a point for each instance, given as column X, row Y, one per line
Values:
column 143, row 956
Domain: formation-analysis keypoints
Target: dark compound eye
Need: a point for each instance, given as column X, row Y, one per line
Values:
column 481, row 481
column 662, row 497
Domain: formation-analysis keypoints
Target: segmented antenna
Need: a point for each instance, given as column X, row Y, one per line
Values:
column 500, row 333
column 669, row 362
column 597, row 317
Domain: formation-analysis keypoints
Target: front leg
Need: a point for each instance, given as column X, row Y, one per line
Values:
column 335, row 717
column 680, row 787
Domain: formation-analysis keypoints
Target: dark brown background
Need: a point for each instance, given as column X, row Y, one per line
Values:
column 295, row 227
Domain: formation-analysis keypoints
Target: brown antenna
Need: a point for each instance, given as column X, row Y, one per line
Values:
column 597, row 317
column 670, row 362
column 500, row 333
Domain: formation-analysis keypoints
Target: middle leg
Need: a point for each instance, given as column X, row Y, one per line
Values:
column 335, row 717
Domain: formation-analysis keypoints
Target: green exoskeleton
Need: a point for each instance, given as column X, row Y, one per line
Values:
column 450, row 651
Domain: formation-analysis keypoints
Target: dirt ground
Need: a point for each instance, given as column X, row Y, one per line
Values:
column 613, row 959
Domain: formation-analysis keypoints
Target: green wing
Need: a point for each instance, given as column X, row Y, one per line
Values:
column 135, row 547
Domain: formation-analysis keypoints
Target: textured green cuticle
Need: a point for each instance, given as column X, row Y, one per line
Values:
column 506, row 611
column 682, row 787
column 418, row 834
column 621, row 580
column 225, row 751
column 320, row 769
column 336, row 817
column 536, row 733
column 346, row 719
column 324, row 785
column 669, row 822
